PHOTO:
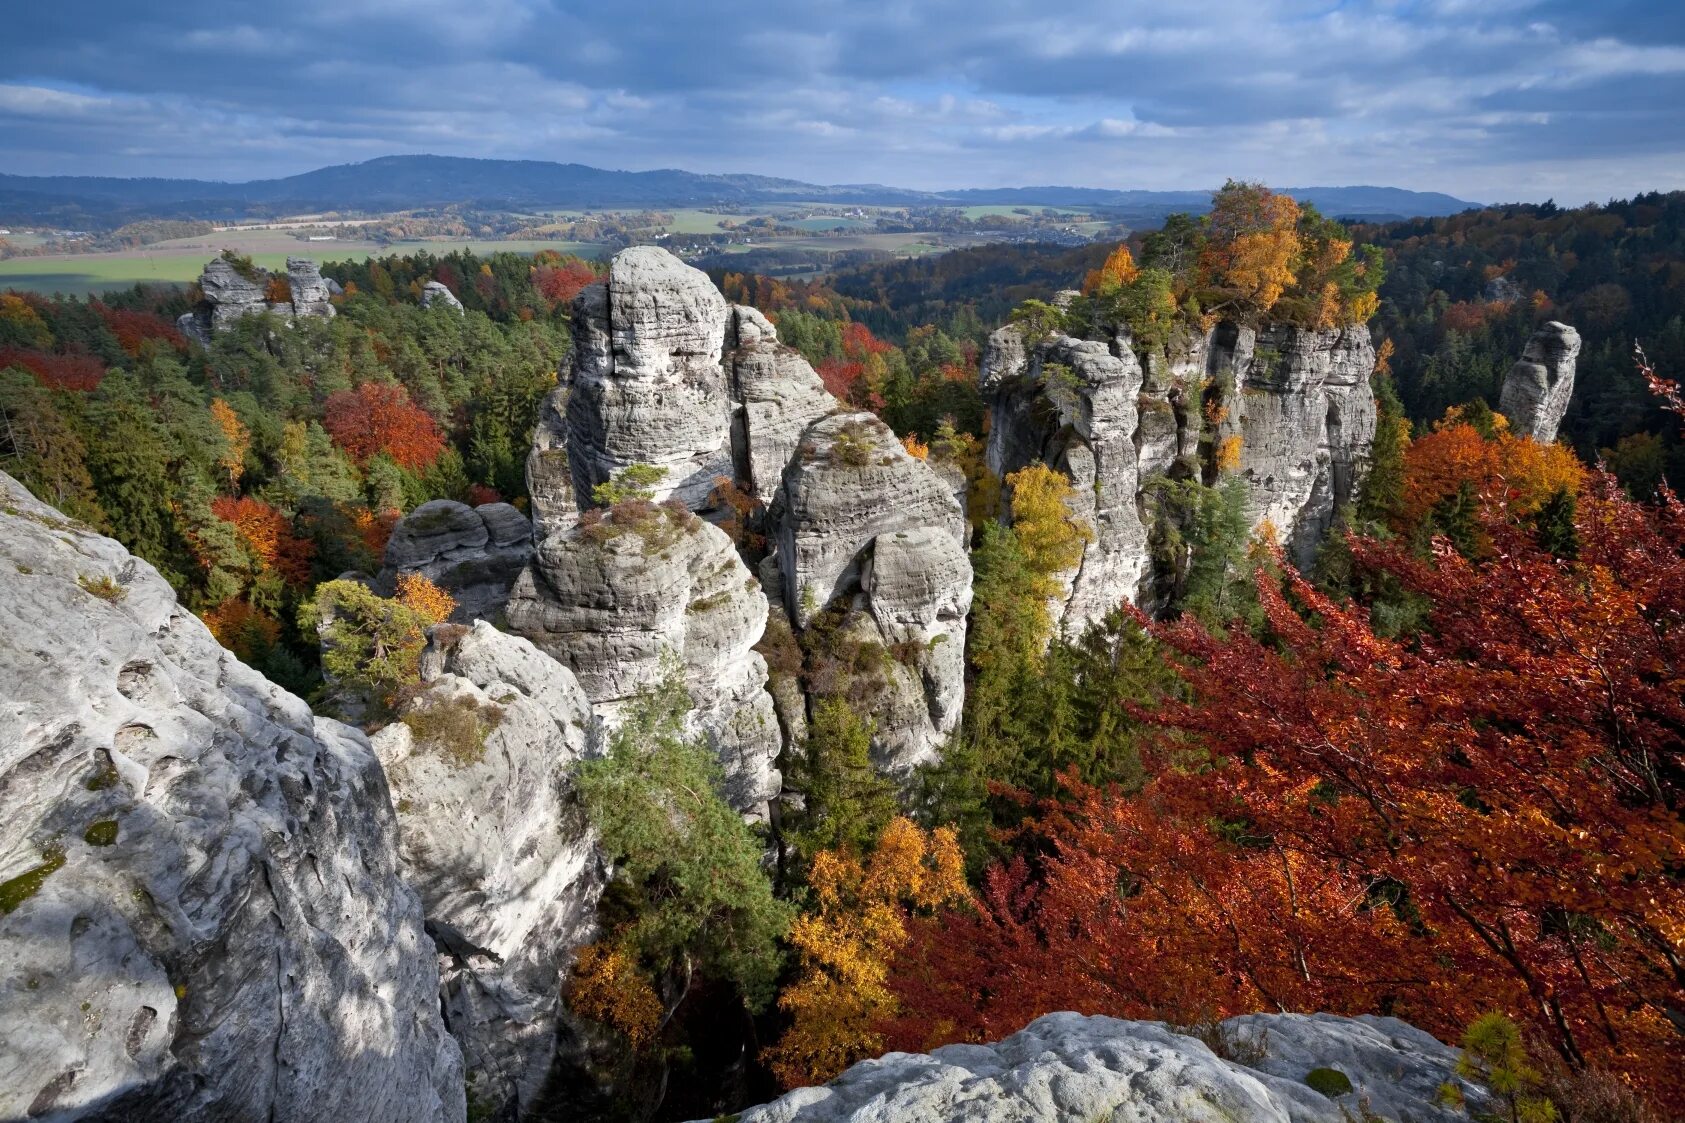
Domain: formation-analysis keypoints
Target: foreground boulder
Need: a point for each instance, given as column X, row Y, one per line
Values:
column 1538, row 387
column 201, row 915
column 495, row 841
column 1102, row 1070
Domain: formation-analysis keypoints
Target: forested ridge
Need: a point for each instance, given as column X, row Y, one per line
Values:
column 1438, row 775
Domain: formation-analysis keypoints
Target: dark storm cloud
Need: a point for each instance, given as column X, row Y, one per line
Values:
column 1490, row 99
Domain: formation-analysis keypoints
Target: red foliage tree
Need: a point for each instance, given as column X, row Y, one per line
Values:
column 379, row 417
column 269, row 535
column 561, row 282
column 56, row 372
column 1486, row 817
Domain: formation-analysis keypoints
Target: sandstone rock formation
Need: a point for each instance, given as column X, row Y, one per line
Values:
column 309, row 291
column 646, row 383
column 1295, row 403
column 777, row 395
column 1072, row 404
column 435, row 292
column 664, row 373
column 1102, row 1070
column 226, row 295
column 473, row 553
column 201, row 915
column 619, row 594
column 549, row 475
column 1537, row 389
column 1305, row 415
column 493, row 840
column 863, row 526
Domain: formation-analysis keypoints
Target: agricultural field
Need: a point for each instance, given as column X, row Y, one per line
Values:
column 178, row 262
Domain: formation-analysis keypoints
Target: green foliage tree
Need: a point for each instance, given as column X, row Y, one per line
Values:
column 635, row 481
column 846, row 801
column 689, row 894
column 371, row 646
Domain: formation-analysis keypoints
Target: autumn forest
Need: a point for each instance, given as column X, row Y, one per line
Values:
column 1438, row 773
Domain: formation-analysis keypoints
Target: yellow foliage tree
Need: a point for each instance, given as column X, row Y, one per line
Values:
column 424, row 598
column 609, row 988
column 1119, row 269
column 848, row 942
column 1228, row 453
column 1251, row 245
column 915, row 447
column 239, row 439
column 1051, row 538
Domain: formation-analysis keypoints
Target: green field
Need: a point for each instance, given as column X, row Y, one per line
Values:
column 178, row 264
column 101, row 272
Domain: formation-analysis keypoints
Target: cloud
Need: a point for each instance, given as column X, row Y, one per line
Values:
column 1489, row 99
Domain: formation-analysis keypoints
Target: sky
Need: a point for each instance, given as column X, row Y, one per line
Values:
column 1489, row 100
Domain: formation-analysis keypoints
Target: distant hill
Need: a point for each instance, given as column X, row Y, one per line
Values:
column 405, row 182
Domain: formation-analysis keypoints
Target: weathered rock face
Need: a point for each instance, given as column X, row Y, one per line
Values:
column 1306, row 419
column 777, row 395
column 549, row 474
column 493, row 839
column 1070, row 1067
column 1296, row 403
column 1536, row 390
column 647, row 383
column 473, row 553
column 309, row 291
column 227, row 295
column 864, row 526
column 211, row 923
column 665, row 373
column 1072, row 404
column 614, row 596
column 436, row 292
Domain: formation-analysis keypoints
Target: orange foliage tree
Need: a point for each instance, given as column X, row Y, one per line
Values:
column 248, row 632
column 1485, row 817
column 1119, row 269
column 268, row 535
column 1251, row 244
column 846, row 945
column 1455, row 456
column 239, row 440
column 378, row 417
column 418, row 593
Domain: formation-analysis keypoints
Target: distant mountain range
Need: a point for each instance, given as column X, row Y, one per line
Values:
column 406, row 182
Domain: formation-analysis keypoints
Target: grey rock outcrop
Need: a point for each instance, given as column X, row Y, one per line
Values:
column 621, row 592
column 473, row 553
column 227, row 294
column 1073, row 405
column 777, row 396
column 647, row 385
column 211, row 923
column 1305, row 415
column 1070, row 1067
column 549, row 474
column 310, row 293
column 494, row 841
column 863, row 526
column 664, row 373
column 1295, row 403
column 1538, row 387
column 436, row 293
